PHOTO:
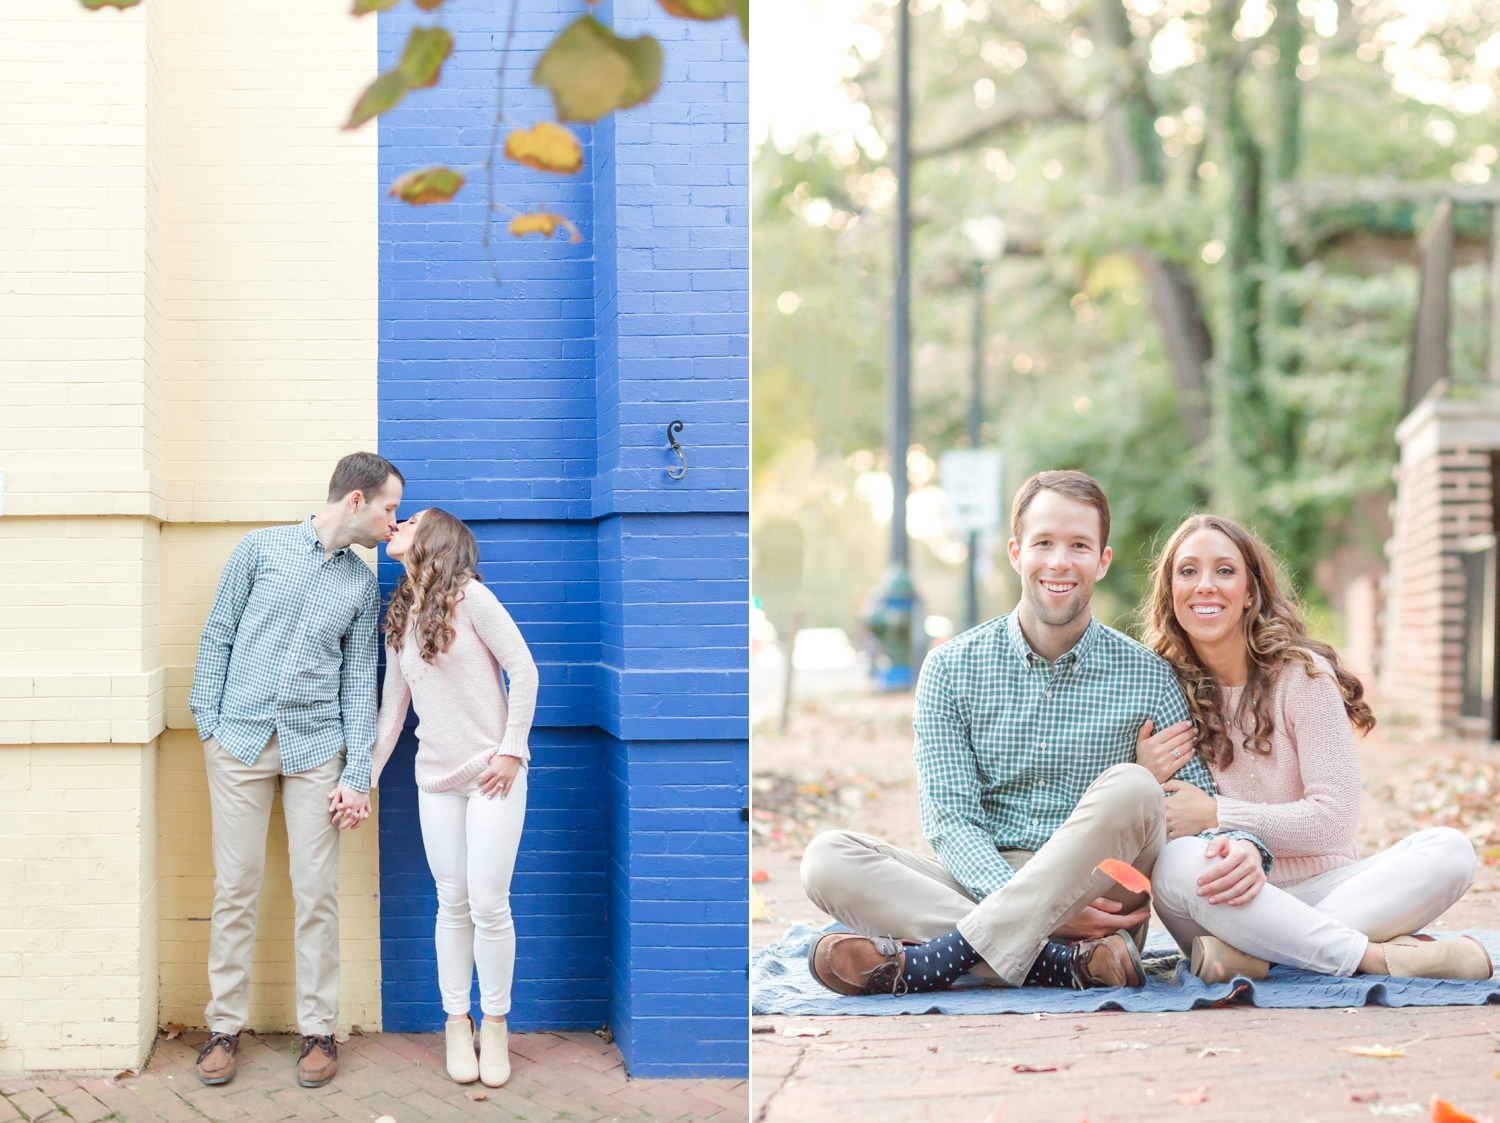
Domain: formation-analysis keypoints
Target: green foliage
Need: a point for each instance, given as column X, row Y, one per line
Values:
column 421, row 65
column 427, row 185
column 592, row 71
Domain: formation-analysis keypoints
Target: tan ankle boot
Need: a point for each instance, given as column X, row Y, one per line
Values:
column 1214, row 961
column 494, row 1053
column 1458, row 957
column 463, row 1065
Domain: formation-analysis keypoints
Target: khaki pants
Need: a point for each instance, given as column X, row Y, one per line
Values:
column 881, row 890
column 240, row 795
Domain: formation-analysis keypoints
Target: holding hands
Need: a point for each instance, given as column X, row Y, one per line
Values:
column 1165, row 752
column 348, row 808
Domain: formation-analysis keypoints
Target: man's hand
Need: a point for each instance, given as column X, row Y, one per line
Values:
column 500, row 775
column 1104, row 917
column 1190, row 809
column 1238, row 878
column 348, row 808
column 1163, row 754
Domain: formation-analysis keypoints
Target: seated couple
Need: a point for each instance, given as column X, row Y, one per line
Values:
column 1222, row 766
column 284, row 700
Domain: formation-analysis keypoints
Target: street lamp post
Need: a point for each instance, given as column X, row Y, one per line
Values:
column 987, row 234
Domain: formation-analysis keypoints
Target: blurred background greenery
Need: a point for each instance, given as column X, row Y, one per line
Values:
column 1261, row 172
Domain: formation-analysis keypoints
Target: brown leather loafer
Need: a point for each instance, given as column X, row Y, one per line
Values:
column 216, row 1058
column 852, row 964
column 319, row 1060
column 1111, row 962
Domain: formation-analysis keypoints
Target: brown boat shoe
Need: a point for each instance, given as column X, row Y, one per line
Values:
column 1113, row 961
column 216, row 1061
column 319, row 1060
column 854, row 964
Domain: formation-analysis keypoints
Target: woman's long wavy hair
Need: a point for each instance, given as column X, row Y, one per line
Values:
column 1275, row 638
column 443, row 557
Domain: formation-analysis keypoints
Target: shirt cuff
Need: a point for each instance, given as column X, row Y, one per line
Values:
column 1266, row 858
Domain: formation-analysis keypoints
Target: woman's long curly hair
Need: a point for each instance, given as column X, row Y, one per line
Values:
column 1275, row 637
column 443, row 557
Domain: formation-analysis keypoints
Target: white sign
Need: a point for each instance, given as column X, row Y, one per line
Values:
column 971, row 490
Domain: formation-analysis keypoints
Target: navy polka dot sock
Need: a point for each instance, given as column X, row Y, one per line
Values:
column 938, row 963
column 1053, row 967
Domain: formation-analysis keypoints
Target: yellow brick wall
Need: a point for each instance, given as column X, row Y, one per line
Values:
column 188, row 336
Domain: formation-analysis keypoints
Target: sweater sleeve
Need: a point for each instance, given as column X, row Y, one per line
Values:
column 395, row 700
column 1317, row 726
column 499, row 633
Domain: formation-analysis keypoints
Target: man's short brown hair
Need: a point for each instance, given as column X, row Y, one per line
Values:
column 364, row 472
column 1075, row 485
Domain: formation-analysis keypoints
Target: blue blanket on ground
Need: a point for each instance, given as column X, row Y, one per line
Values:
column 781, row 984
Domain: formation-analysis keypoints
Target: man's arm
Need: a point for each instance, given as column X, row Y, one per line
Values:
column 948, row 785
column 216, row 644
column 357, row 691
column 1171, row 707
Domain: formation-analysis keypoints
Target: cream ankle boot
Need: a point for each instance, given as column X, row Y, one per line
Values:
column 494, row 1053
column 463, row 1065
column 1214, row 961
column 1457, row 957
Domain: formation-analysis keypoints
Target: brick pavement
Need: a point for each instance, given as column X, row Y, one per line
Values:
column 554, row 1076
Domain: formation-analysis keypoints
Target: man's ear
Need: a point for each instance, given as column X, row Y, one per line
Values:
column 1104, row 559
column 354, row 499
column 1013, row 551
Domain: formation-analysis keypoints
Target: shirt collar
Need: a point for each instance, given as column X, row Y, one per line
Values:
column 1077, row 654
column 310, row 538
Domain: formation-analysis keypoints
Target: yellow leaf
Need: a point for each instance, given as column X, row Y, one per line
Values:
column 365, row 7
column 757, row 906
column 543, row 223
column 545, row 147
column 591, row 71
column 427, row 185
column 173, row 1030
column 1376, row 1050
column 95, row 5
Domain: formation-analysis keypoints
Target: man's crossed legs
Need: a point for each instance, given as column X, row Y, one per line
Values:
column 895, row 896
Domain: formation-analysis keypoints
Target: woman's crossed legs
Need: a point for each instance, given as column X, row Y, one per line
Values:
column 1323, row 923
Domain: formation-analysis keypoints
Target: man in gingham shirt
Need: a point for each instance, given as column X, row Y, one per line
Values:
column 1027, row 733
column 284, row 697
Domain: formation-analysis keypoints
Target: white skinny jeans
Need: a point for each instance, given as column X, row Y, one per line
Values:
column 471, row 842
column 1322, row 923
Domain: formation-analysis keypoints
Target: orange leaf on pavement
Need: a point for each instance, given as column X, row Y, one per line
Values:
column 1126, row 874
column 1196, row 1096
column 758, row 876
column 1445, row 1112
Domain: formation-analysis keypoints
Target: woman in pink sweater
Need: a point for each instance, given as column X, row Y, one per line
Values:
column 447, row 640
column 1273, row 710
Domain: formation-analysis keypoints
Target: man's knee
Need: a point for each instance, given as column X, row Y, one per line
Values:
column 1128, row 787
column 823, row 860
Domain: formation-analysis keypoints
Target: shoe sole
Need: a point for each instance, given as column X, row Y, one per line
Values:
column 315, row 1083
column 812, row 962
column 216, row 1079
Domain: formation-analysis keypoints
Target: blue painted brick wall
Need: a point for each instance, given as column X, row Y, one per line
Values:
column 537, row 411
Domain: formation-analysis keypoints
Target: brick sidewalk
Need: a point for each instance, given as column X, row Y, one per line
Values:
column 571, row 1076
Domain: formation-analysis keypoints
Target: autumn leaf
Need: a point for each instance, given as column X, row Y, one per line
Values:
column 1127, row 875
column 95, row 5
column 428, row 5
column 742, row 10
column 427, row 185
column 475, row 1094
column 1444, row 1112
column 1376, row 1050
column 173, row 1030
column 696, row 9
column 543, row 223
column 1196, row 1096
column 758, row 909
column 365, row 7
column 591, row 71
column 545, row 147
column 422, row 57
column 382, row 94
column 759, row 876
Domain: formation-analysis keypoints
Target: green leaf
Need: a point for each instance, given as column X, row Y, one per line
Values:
column 365, row 7
column 427, row 185
column 422, row 60
column 95, row 5
column 742, row 9
column 697, row 9
column 591, row 71
column 383, row 93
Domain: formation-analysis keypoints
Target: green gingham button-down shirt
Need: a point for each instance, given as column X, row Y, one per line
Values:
column 1007, row 743
column 290, row 648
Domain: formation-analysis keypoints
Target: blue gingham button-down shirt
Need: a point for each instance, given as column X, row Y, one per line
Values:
column 1007, row 743
column 290, row 648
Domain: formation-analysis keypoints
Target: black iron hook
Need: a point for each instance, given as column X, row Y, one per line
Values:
column 676, row 473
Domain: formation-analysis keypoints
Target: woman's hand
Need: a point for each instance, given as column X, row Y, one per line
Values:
column 500, row 775
column 1189, row 809
column 1163, row 754
column 1238, row 878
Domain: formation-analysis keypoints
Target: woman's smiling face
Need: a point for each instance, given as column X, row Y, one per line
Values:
column 1210, row 587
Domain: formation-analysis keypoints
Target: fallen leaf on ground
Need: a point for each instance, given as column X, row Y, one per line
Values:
column 1211, row 1050
column 126, row 1075
column 1196, row 1096
column 759, row 876
column 1038, row 1068
column 1376, row 1050
column 805, row 1031
column 1126, row 875
column 758, row 909
column 1363, row 1097
column 476, row 1095
column 1444, row 1112
column 1122, row 1046
column 1396, row 1109
column 173, row 1030
column 762, row 1029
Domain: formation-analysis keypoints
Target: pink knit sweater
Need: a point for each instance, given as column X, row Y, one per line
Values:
column 464, row 717
column 1302, row 800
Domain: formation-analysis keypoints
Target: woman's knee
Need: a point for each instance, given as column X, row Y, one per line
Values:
column 1454, row 854
column 1178, row 867
column 493, row 916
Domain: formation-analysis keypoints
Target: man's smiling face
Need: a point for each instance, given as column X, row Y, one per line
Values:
column 1058, row 557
